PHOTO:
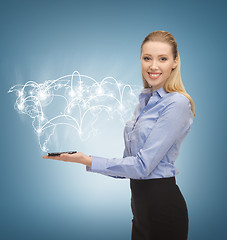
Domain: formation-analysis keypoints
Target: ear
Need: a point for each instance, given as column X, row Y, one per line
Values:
column 175, row 63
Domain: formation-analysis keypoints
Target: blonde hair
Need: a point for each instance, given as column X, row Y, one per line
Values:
column 174, row 82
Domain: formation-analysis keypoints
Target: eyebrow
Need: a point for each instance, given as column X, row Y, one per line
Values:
column 158, row 55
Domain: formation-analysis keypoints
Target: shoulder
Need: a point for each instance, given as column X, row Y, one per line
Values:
column 177, row 98
column 177, row 101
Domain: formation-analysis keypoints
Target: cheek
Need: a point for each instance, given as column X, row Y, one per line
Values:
column 168, row 70
column 143, row 67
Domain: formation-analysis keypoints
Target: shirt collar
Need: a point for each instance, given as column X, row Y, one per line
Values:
column 146, row 93
column 146, row 90
column 161, row 91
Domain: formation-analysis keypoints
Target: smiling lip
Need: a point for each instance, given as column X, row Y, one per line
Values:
column 152, row 77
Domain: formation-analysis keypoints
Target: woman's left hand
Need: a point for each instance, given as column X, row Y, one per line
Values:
column 75, row 157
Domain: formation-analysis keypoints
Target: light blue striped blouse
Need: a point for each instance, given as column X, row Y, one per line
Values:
column 152, row 138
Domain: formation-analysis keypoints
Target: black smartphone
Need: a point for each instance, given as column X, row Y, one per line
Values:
column 59, row 153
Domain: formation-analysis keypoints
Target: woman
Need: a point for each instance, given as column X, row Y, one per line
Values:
column 152, row 138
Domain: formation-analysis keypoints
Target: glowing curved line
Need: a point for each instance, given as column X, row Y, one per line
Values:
column 43, row 94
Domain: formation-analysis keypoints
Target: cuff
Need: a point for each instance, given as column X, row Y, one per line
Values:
column 98, row 164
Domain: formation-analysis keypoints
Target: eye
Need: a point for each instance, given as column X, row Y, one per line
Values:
column 146, row 58
column 164, row 58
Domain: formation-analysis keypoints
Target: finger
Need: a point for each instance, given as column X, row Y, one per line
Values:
column 65, row 155
column 50, row 157
column 53, row 157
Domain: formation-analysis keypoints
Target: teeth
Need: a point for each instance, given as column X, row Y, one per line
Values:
column 154, row 75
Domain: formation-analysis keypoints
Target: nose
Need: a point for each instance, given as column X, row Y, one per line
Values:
column 153, row 65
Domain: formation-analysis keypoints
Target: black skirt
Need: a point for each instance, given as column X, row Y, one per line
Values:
column 159, row 210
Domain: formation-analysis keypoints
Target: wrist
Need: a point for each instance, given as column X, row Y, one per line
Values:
column 88, row 160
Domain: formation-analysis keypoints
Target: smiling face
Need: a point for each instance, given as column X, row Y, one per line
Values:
column 157, row 62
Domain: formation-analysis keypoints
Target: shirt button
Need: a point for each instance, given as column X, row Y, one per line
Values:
column 144, row 111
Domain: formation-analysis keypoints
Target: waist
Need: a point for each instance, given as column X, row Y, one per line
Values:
column 137, row 183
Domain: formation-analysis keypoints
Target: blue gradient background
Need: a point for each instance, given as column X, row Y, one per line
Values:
column 43, row 199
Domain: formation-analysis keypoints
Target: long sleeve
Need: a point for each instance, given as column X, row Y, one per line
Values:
column 167, row 133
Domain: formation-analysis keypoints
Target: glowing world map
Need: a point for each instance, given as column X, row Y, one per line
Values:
column 75, row 101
